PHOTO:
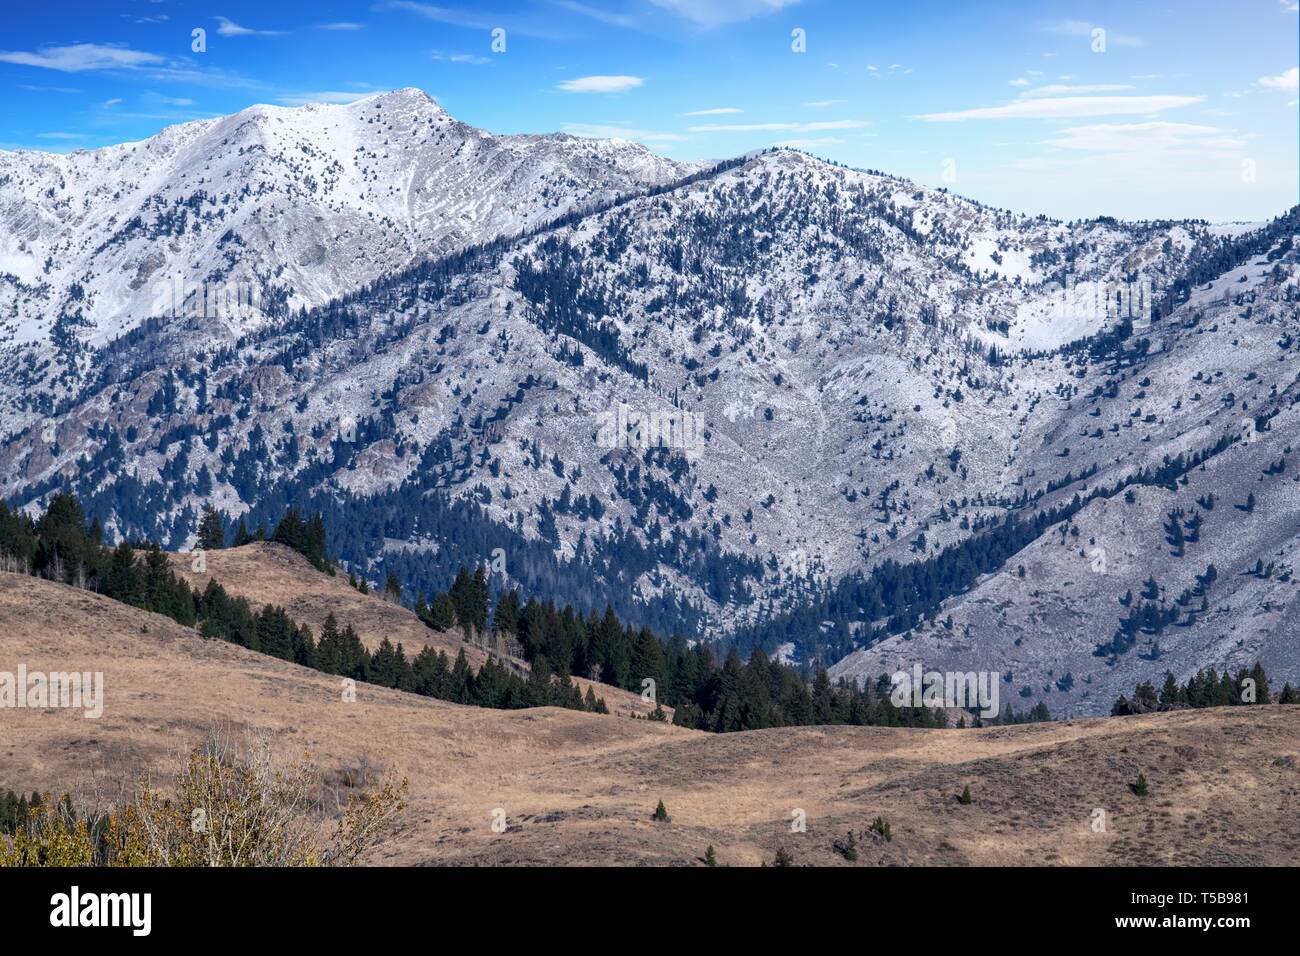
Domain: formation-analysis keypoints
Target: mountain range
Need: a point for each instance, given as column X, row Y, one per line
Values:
column 772, row 402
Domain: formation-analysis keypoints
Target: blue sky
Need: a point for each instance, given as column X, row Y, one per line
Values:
column 1175, row 108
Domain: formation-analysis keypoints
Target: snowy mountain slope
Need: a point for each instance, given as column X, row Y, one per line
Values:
column 1207, row 554
column 849, row 372
column 301, row 205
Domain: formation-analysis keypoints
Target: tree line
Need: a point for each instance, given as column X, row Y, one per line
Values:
column 1204, row 689
column 61, row 546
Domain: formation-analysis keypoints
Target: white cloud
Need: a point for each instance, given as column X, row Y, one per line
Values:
column 604, row 16
column 342, row 97
column 778, row 127
column 1068, row 107
column 614, row 131
column 62, row 136
column 712, row 13
column 1020, row 81
column 460, row 57
column 1081, row 28
column 1287, row 81
column 1146, row 137
column 601, row 84
column 79, row 57
column 109, row 104
column 720, row 111
column 811, row 143
column 229, row 28
column 822, row 104
column 1062, row 89
column 340, row 26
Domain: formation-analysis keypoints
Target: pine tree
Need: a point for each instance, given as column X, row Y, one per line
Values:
column 291, row 531
column 313, row 545
column 462, row 600
column 1262, row 695
column 965, row 798
column 442, row 613
column 480, row 599
column 212, row 531
column 661, row 813
column 1140, row 788
column 505, row 618
column 710, row 859
column 1169, row 693
column 329, row 652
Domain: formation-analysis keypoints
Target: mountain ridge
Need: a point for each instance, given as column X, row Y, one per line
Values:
column 877, row 371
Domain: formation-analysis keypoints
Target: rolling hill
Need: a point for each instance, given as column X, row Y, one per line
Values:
column 579, row 788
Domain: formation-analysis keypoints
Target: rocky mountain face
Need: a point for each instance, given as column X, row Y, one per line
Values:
column 283, row 208
column 777, row 403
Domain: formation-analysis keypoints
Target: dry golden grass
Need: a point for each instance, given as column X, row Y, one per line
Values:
column 269, row 573
column 580, row 788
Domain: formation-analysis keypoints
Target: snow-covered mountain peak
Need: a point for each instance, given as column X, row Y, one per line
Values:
column 297, row 204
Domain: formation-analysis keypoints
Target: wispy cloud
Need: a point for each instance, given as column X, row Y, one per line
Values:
column 778, row 127
column 601, row 84
column 1067, row 107
column 811, row 143
column 604, row 16
column 431, row 12
column 326, row 96
column 718, row 111
column 1082, row 28
column 1288, row 81
column 1065, row 89
column 712, row 13
column 1146, row 137
column 823, row 104
column 171, row 100
column 229, row 28
column 472, row 58
column 79, row 57
column 340, row 26
column 615, row 131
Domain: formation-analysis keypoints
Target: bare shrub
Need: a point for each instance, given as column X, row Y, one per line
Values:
column 229, row 804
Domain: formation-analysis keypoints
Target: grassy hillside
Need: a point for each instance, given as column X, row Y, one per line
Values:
column 581, row 788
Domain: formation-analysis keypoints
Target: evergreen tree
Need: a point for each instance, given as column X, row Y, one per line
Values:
column 442, row 613
column 212, row 531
